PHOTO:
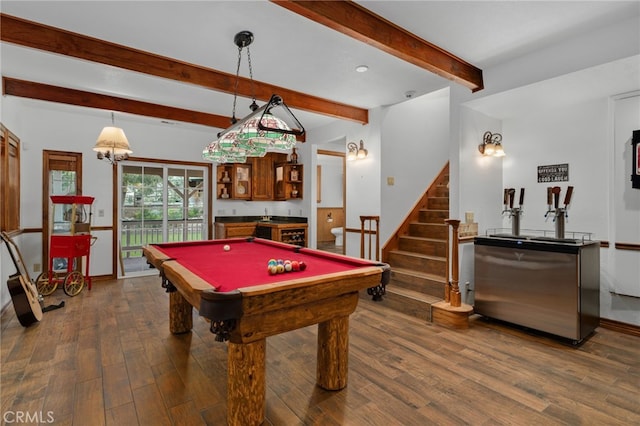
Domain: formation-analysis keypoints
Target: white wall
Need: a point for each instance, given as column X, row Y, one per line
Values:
column 415, row 149
column 576, row 135
column 331, row 181
column 481, row 177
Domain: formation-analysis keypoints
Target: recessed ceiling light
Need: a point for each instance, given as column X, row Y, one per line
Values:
column 362, row 68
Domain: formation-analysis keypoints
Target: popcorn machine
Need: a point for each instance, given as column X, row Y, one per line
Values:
column 70, row 242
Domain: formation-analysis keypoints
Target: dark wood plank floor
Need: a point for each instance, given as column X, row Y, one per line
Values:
column 108, row 358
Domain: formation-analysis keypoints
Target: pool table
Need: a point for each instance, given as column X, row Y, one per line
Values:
column 245, row 304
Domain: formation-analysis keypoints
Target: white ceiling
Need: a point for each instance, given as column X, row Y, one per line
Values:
column 290, row 50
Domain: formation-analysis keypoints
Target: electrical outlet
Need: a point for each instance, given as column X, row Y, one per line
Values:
column 36, row 267
column 101, row 213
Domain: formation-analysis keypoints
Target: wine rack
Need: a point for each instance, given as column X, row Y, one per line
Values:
column 295, row 236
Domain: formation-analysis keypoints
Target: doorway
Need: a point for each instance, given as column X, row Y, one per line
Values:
column 61, row 175
column 330, row 200
column 159, row 203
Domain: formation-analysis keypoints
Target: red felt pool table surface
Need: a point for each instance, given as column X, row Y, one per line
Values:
column 245, row 264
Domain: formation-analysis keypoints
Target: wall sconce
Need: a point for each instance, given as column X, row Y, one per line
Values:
column 355, row 152
column 112, row 144
column 491, row 145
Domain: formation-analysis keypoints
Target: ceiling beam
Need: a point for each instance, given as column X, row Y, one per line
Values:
column 62, row 95
column 43, row 37
column 354, row 20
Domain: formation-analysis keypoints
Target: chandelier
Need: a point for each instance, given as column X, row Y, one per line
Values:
column 261, row 131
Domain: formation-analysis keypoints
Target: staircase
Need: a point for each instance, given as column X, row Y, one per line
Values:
column 417, row 253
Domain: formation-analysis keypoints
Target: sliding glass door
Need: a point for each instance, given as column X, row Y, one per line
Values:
column 159, row 203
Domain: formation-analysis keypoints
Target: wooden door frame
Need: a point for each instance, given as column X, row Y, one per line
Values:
column 344, row 191
column 47, row 156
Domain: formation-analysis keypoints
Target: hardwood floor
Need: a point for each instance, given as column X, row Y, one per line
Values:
column 108, row 358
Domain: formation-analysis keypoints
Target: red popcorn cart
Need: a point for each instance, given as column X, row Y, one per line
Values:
column 69, row 245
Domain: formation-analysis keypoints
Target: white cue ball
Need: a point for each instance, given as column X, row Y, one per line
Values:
column 226, row 247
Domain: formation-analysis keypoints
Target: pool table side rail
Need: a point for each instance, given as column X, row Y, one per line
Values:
column 274, row 296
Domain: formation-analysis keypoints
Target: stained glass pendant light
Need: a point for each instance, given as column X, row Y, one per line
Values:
column 261, row 131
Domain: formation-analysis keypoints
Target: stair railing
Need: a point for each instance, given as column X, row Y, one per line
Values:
column 452, row 289
column 368, row 230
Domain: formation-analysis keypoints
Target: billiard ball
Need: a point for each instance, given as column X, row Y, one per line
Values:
column 302, row 265
column 226, row 247
column 273, row 269
column 280, row 268
column 295, row 266
column 287, row 267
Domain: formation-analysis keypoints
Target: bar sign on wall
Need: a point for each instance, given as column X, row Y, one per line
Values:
column 553, row 173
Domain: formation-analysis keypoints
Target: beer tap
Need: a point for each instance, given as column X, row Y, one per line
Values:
column 567, row 200
column 555, row 194
column 549, row 202
column 514, row 212
column 505, row 201
column 559, row 213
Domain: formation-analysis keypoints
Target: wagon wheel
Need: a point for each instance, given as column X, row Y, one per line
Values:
column 44, row 285
column 73, row 283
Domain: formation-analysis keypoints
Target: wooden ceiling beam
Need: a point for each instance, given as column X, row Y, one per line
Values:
column 43, row 37
column 62, row 95
column 355, row 21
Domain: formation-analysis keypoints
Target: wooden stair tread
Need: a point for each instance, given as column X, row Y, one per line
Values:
column 414, row 254
column 415, row 295
column 425, row 275
column 427, row 223
column 413, row 237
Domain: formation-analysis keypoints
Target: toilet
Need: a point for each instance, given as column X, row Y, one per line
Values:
column 337, row 232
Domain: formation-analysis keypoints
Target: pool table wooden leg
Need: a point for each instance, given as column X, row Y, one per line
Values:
column 246, row 388
column 333, row 353
column 180, row 314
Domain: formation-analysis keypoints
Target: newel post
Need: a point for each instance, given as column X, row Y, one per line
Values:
column 454, row 289
column 451, row 312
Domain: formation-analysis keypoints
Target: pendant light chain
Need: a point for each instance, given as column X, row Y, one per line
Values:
column 235, row 89
column 254, row 105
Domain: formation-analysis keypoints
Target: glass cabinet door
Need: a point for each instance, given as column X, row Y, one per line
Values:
column 242, row 181
column 280, row 192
